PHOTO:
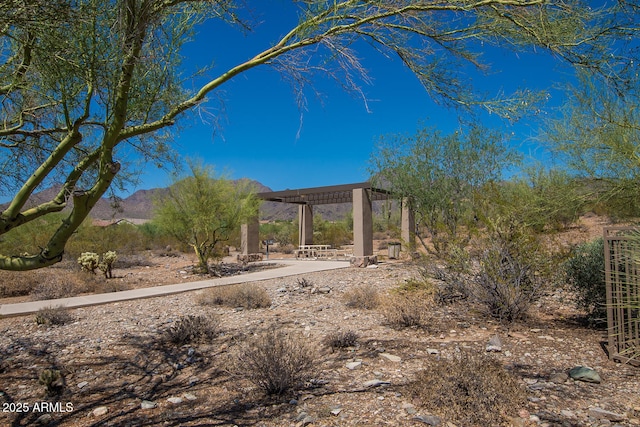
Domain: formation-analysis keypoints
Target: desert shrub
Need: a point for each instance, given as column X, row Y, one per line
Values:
column 584, row 272
column 139, row 260
column 407, row 310
column 276, row 362
column 422, row 284
column 471, row 390
column 55, row 287
column 513, row 270
column 53, row 316
column 304, row 283
column 506, row 285
column 19, row 283
column 246, row 295
column 362, row 297
column 53, row 381
column 189, row 329
column 341, row 339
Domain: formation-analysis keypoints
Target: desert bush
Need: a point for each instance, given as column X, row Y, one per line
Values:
column 53, row 316
column 19, row 283
column 57, row 286
column 507, row 285
column 246, row 295
column 408, row 309
column 139, row 260
column 341, row 339
column 276, row 362
column 190, row 329
column 513, row 270
column 421, row 284
column 304, row 283
column 362, row 297
column 584, row 273
column 471, row 390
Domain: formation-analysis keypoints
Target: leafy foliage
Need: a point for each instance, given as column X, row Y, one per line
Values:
column 202, row 211
column 440, row 177
column 584, row 272
column 87, row 84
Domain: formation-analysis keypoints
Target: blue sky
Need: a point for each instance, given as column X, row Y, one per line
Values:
column 262, row 133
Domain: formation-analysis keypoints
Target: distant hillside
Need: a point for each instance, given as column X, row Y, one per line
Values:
column 139, row 205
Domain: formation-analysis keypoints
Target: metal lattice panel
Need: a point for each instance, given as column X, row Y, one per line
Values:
column 622, row 268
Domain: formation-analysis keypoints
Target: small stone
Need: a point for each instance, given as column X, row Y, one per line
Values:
column 431, row 420
column 44, row 419
column 391, row 357
column 603, row 414
column 336, row 411
column 558, row 378
column 190, row 396
column 518, row 422
column 100, row 411
column 354, row 365
column 175, row 400
column 433, row 351
column 494, row 344
column 567, row 413
column 147, row 404
column 83, row 384
column 375, row 383
column 584, row 373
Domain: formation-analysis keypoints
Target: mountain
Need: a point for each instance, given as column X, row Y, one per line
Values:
column 139, row 206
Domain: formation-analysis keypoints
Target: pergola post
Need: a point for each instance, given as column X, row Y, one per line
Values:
column 305, row 221
column 250, row 236
column 408, row 227
column 362, row 224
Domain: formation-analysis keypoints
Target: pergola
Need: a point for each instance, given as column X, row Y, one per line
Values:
column 360, row 194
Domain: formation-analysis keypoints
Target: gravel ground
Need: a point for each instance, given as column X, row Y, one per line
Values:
column 118, row 369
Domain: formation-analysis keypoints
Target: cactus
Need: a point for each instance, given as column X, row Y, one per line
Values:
column 53, row 381
column 89, row 261
column 108, row 258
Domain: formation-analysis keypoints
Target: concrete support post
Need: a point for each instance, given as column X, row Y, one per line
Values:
column 305, row 221
column 250, row 237
column 362, row 224
column 408, row 227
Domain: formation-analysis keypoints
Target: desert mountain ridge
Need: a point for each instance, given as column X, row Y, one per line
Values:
column 139, row 206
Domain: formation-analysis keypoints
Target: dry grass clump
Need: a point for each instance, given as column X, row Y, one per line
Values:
column 341, row 339
column 408, row 310
column 362, row 297
column 190, row 329
column 246, row 295
column 276, row 362
column 53, row 316
column 472, row 390
column 19, row 283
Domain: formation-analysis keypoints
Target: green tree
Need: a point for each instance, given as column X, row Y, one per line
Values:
column 202, row 211
column 596, row 136
column 440, row 176
column 85, row 83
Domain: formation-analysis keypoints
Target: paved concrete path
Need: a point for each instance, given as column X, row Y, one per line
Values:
column 291, row 268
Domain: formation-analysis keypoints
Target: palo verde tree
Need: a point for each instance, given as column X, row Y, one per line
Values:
column 85, row 82
column 441, row 175
column 597, row 136
column 202, row 210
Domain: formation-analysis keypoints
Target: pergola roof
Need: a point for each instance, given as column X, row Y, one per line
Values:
column 324, row 195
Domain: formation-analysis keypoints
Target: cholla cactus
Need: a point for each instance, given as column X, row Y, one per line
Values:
column 89, row 261
column 108, row 258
